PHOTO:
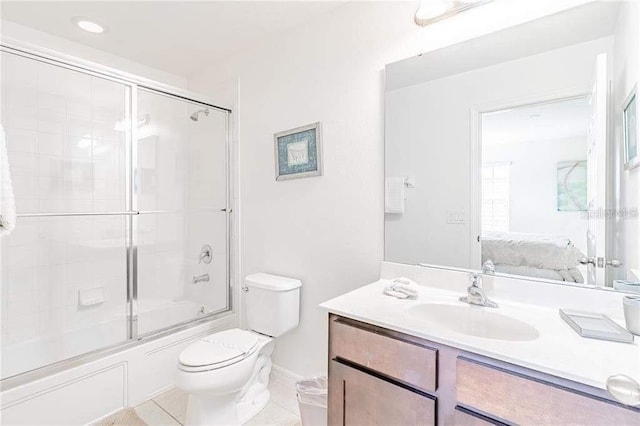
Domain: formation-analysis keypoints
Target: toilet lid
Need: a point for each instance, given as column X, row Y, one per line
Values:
column 224, row 347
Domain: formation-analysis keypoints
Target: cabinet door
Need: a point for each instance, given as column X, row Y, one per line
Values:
column 358, row 398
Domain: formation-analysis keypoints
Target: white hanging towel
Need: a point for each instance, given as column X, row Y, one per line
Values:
column 394, row 195
column 7, row 201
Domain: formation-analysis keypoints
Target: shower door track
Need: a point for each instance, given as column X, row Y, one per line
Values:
column 132, row 83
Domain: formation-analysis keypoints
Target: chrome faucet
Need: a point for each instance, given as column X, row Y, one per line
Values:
column 475, row 293
column 488, row 267
column 200, row 279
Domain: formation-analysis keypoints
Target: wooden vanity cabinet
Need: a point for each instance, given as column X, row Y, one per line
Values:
column 382, row 377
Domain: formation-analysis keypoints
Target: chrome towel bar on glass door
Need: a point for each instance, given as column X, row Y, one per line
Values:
column 132, row 213
column 129, row 213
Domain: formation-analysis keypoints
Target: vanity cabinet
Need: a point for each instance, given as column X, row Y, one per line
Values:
column 382, row 377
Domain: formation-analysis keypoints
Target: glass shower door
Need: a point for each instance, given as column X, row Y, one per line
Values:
column 180, row 193
column 63, row 266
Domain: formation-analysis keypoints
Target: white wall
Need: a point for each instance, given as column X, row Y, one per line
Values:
column 626, row 74
column 328, row 231
column 11, row 32
column 533, row 206
column 428, row 137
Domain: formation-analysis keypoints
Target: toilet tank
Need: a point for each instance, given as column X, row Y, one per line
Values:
column 272, row 303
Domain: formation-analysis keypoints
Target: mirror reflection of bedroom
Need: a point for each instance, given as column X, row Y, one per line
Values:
column 534, row 189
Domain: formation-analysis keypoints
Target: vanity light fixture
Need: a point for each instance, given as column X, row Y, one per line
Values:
column 430, row 11
column 89, row 25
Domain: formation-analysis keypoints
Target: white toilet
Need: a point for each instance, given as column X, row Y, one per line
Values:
column 226, row 374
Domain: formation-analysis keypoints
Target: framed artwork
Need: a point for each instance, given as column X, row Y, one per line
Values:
column 572, row 186
column 630, row 127
column 298, row 152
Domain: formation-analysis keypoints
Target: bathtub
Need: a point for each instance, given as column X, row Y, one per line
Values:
column 102, row 383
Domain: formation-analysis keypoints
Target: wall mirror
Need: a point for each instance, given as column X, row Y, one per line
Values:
column 509, row 148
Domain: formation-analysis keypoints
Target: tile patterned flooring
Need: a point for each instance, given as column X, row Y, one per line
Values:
column 169, row 409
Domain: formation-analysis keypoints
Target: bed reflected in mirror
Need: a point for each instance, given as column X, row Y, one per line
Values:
column 533, row 187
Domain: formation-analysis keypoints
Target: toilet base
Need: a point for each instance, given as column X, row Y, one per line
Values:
column 218, row 411
column 249, row 409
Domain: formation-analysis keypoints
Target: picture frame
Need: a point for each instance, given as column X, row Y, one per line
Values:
column 631, row 129
column 298, row 152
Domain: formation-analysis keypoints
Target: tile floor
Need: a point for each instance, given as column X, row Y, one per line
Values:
column 169, row 409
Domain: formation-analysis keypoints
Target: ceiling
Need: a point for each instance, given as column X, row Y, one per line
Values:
column 539, row 122
column 172, row 36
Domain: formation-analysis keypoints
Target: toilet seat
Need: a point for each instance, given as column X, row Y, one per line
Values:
column 218, row 350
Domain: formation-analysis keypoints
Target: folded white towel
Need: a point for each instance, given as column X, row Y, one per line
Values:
column 402, row 288
column 394, row 195
column 7, row 201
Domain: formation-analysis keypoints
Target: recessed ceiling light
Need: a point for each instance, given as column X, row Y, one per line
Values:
column 89, row 25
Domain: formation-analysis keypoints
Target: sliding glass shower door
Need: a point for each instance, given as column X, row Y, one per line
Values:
column 122, row 227
column 63, row 267
column 181, row 195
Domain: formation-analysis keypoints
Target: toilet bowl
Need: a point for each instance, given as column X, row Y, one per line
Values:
column 226, row 374
column 222, row 371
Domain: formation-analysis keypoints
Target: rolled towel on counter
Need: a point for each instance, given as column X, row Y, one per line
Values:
column 402, row 288
column 7, row 200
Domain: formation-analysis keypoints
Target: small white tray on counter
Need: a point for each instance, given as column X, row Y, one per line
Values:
column 595, row 326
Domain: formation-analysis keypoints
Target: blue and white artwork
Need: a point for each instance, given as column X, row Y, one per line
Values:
column 298, row 152
column 572, row 186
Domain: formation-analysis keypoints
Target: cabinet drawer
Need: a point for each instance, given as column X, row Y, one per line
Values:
column 528, row 401
column 464, row 417
column 359, row 398
column 403, row 360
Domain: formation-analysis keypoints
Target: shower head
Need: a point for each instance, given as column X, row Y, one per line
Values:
column 195, row 115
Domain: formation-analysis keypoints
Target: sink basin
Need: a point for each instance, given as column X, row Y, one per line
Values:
column 473, row 321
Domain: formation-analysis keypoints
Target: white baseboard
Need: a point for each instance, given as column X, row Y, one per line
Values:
column 284, row 376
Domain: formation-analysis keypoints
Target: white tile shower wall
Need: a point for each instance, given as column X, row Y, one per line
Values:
column 69, row 158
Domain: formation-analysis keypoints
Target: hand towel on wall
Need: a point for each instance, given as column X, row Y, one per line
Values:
column 7, row 201
column 394, row 195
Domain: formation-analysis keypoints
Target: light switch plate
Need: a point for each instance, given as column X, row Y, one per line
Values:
column 456, row 217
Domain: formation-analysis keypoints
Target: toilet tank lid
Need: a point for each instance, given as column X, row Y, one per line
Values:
column 272, row 282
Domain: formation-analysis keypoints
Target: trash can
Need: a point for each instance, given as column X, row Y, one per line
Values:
column 312, row 401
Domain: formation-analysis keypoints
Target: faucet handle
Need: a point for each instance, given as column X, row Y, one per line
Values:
column 488, row 267
column 475, row 280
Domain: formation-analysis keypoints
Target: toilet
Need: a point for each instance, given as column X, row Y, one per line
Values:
column 226, row 374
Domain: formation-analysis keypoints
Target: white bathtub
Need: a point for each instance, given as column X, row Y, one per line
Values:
column 41, row 351
column 92, row 390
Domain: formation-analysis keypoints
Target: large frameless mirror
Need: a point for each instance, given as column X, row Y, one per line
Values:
column 507, row 152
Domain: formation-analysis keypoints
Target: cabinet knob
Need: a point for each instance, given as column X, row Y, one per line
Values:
column 624, row 389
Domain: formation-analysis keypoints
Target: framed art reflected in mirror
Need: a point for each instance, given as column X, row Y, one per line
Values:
column 630, row 129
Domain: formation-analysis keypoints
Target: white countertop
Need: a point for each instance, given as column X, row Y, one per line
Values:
column 558, row 350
